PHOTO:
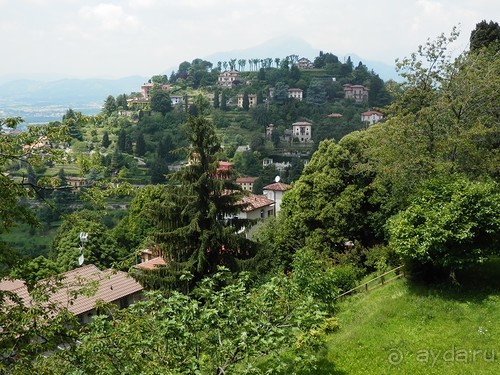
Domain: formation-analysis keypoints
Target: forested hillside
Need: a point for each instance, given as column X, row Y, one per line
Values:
column 231, row 292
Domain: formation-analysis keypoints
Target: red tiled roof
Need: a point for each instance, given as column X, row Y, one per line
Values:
column 253, row 202
column 277, row 186
column 152, row 264
column 245, row 180
column 111, row 286
column 369, row 113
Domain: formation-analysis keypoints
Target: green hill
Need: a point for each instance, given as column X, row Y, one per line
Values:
column 403, row 328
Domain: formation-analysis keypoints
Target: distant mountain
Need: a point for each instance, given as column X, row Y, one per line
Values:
column 67, row 92
column 285, row 46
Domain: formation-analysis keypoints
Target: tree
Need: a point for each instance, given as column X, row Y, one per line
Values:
column 73, row 121
column 484, row 34
column 110, row 105
column 15, row 149
column 121, row 101
column 246, row 101
column 327, row 205
column 450, row 224
column 193, row 229
column 105, row 140
column 223, row 101
column 160, row 101
column 316, row 93
column 224, row 327
column 122, row 140
column 140, row 144
column 100, row 249
column 216, row 99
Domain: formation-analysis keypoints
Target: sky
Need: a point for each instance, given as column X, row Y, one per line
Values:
column 113, row 39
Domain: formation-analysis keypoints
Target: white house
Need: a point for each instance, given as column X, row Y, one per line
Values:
column 371, row 117
column 275, row 192
column 295, row 94
column 227, row 78
column 303, row 131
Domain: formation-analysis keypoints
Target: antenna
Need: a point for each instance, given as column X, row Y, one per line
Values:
column 277, row 179
column 83, row 238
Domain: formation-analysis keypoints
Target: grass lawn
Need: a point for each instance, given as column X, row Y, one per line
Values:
column 407, row 328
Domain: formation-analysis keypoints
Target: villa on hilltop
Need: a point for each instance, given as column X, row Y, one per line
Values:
column 358, row 93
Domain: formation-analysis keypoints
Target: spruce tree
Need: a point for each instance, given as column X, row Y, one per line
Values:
column 197, row 229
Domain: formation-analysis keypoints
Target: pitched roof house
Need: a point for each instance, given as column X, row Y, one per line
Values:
column 227, row 78
column 115, row 287
column 371, row 117
column 275, row 192
column 358, row 93
column 246, row 183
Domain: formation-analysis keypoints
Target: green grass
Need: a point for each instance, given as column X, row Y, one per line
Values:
column 407, row 328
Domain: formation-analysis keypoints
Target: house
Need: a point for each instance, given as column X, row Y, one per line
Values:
column 295, row 94
column 275, row 192
column 151, row 258
column 304, row 63
column 111, row 286
column 256, row 207
column 243, row 148
column 228, row 77
column 224, row 170
column 371, row 117
column 252, row 100
column 269, row 130
column 176, row 99
column 302, row 131
column 42, row 143
column 77, row 182
column 146, row 88
column 358, row 93
column 246, row 183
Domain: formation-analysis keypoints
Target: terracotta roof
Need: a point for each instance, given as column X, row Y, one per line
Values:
column 253, row 202
column 112, row 285
column 243, row 180
column 152, row 264
column 278, row 186
column 369, row 113
column 334, row 115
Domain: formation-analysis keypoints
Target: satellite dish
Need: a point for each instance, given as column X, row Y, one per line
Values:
column 277, row 179
column 80, row 260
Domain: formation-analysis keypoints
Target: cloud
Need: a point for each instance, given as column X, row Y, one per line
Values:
column 109, row 17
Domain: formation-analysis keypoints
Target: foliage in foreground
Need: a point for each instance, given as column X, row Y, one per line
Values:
column 222, row 327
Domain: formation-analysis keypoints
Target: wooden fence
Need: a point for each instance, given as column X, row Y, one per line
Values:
column 376, row 282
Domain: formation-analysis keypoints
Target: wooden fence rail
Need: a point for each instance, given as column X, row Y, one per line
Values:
column 378, row 281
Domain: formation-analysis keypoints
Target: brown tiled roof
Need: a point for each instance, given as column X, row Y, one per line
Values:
column 152, row 264
column 369, row 113
column 242, row 180
column 334, row 115
column 111, row 286
column 253, row 202
column 277, row 186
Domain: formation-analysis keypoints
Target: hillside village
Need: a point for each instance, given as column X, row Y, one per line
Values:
column 227, row 220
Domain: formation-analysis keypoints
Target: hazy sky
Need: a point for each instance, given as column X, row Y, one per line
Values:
column 111, row 38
